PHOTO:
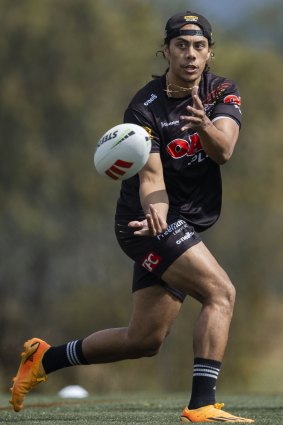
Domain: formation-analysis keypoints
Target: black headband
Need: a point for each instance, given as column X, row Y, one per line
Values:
column 179, row 32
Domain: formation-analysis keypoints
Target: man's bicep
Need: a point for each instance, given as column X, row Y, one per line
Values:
column 229, row 127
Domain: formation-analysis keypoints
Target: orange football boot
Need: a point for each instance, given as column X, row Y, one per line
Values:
column 210, row 413
column 30, row 372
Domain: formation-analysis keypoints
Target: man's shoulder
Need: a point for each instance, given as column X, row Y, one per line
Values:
column 214, row 88
column 221, row 97
column 147, row 94
column 212, row 80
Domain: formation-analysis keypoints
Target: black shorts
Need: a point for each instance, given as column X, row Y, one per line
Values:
column 153, row 255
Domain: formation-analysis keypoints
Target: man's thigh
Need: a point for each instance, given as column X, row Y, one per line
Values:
column 142, row 278
column 197, row 273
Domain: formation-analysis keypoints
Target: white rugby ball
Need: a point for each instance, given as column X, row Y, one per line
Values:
column 122, row 151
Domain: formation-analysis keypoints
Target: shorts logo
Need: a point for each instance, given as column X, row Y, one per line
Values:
column 174, row 228
column 151, row 261
column 188, row 235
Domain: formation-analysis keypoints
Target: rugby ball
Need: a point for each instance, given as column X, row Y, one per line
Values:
column 122, row 151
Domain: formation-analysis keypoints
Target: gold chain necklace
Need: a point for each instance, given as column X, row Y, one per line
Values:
column 169, row 90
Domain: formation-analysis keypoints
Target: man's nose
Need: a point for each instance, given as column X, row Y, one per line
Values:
column 190, row 52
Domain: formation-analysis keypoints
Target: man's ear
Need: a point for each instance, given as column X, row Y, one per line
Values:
column 209, row 55
column 166, row 52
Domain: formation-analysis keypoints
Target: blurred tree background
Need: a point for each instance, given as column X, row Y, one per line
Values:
column 68, row 69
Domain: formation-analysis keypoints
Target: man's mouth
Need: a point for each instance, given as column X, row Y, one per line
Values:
column 190, row 68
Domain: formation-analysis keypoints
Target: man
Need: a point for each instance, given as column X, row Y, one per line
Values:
column 193, row 118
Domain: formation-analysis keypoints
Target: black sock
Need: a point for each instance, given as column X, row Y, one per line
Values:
column 204, row 382
column 66, row 355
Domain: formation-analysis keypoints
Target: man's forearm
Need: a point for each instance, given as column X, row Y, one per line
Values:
column 155, row 195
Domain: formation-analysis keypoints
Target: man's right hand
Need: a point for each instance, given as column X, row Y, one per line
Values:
column 152, row 225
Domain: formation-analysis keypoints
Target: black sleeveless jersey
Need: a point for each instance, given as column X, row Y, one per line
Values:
column 192, row 179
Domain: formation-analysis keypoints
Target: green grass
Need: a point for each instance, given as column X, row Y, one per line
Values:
column 123, row 409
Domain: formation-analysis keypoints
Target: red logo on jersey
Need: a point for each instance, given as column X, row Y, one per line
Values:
column 231, row 98
column 151, row 261
column 181, row 147
column 117, row 170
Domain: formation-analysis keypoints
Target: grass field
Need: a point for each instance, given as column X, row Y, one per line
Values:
column 122, row 409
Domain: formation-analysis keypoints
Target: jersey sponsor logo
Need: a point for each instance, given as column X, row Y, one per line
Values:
column 231, row 98
column 172, row 228
column 188, row 235
column 151, row 261
column 192, row 148
column 168, row 124
column 152, row 98
column 118, row 169
column 149, row 130
column 217, row 95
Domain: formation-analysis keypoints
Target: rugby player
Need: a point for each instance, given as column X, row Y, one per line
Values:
column 193, row 118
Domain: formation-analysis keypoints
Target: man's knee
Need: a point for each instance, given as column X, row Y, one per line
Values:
column 152, row 346
column 146, row 346
column 224, row 294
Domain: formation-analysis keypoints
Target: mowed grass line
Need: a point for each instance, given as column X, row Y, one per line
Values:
column 123, row 409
